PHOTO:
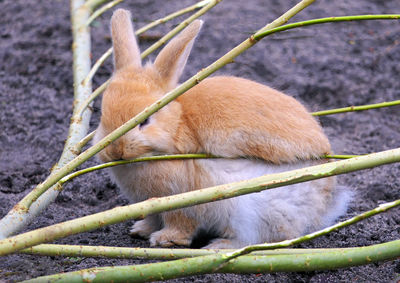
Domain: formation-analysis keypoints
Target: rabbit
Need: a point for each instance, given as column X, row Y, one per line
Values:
column 258, row 130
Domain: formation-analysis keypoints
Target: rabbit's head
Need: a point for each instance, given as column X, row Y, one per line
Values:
column 133, row 87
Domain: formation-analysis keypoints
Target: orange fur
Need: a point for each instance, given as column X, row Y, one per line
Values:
column 238, row 117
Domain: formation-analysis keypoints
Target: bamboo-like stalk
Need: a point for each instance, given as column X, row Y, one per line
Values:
column 20, row 216
column 356, row 108
column 150, row 253
column 157, row 205
column 244, row 264
column 207, row 5
column 113, row 252
column 167, row 98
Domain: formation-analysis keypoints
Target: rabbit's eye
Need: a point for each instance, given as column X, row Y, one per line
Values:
column 144, row 123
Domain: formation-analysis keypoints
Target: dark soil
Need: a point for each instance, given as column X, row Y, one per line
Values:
column 326, row 66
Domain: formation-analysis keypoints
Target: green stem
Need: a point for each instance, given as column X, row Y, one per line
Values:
column 180, row 27
column 174, row 15
column 167, row 98
column 78, row 146
column 356, row 108
column 340, row 156
column 95, row 67
column 136, row 160
column 91, row 97
column 263, row 33
column 244, row 264
column 150, row 253
column 101, row 10
column 283, row 19
column 157, row 205
column 93, row 4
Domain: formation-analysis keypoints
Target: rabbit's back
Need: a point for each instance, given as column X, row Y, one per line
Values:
column 233, row 117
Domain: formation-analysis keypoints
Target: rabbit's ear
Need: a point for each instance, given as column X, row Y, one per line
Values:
column 126, row 49
column 172, row 58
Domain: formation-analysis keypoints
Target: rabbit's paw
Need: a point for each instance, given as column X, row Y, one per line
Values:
column 168, row 237
column 142, row 228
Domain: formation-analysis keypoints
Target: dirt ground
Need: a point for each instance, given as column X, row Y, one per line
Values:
column 326, row 66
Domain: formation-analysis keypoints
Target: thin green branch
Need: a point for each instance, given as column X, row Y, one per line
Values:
column 91, row 97
column 340, row 156
column 93, row 4
column 174, row 15
column 102, row 10
column 179, row 27
column 284, row 18
column 157, row 205
column 163, row 101
column 356, row 108
column 96, row 66
column 78, row 146
column 244, row 264
column 136, row 160
column 263, row 33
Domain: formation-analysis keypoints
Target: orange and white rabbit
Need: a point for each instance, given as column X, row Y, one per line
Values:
column 259, row 129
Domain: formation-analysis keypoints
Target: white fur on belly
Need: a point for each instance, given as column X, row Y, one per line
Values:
column 272, row 214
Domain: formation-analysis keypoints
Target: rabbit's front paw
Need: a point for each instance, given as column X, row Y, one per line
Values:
column 143, row 228
column 168, row 237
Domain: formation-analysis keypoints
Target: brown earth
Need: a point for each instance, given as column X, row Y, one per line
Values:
column 326, row 66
